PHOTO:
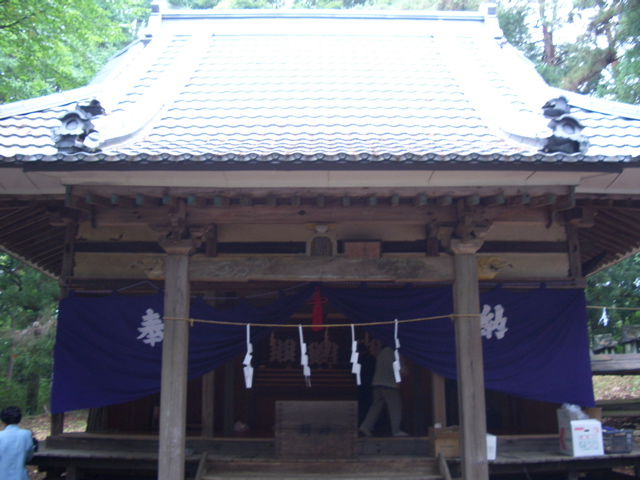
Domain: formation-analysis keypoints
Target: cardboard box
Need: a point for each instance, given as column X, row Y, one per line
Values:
column 445, row 440
column 579, row 438
column 492, row 446
column 593, row 412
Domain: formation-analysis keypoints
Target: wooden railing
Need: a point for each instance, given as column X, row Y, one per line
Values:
column 616, row 364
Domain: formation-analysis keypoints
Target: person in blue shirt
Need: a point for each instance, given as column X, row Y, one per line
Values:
column 16, row 446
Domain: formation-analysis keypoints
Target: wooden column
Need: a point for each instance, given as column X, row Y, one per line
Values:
column 208, row 398
column 71, row 229
column 208, row 404
column 470, row 368
column 573, row 251
column 175, row 345
column 438, row 399
column 229, row 397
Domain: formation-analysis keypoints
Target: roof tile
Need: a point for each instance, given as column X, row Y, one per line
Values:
column 403, row 94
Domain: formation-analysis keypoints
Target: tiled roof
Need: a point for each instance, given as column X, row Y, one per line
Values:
column 306, row 87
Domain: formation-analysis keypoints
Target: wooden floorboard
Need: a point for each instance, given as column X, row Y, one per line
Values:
column 515, row 454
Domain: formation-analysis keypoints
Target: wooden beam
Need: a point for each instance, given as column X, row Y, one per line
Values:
column 523, row 199
column 251, row 268
column 608, row 239
column 211, row 241
column 444, row 200
column 582, row 217
column 197, row 201
column 498, row 199
column 311, row 213
column 219, row 201
column 618, row 364
column 631, row 222
column 93, row 199
column 433, row 243
column 171, row 200
column 122, row 200
column 543, row 201
column 175, row 348
column 421, row 200
column 470, row 368
column 472, row 200
column 145, row 200
column 245, row 201
column 628, row 232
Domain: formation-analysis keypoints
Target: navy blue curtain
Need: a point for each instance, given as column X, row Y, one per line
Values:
column 102, row 356
column 535, row 342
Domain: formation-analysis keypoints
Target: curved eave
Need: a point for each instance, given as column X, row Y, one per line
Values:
column 341, row 161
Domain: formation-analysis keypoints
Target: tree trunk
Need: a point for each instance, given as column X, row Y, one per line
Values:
column 9, row 371
column 33, row 388
column 547, row 35
column 549, row 47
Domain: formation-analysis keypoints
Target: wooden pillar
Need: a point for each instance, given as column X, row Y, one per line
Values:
column 56, row 425
column 573, row 250
column 229, row 397
column 470, row 368
column 438, row 399
column 208, row 404
column 175, row 348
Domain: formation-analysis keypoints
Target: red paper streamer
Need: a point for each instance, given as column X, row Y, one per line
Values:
column 316, row 317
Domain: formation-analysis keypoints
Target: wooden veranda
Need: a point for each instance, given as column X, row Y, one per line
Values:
column 112, row 456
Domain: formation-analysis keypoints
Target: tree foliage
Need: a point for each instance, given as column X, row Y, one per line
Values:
column 194, row 4
column 28, row 306
column 617, row 287
column 47, row 46
column 591, row 48
column 255, row 4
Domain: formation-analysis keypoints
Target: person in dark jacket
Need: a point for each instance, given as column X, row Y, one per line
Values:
column 386, row 392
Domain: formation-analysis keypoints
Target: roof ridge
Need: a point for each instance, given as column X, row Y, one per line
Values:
column 296, row 13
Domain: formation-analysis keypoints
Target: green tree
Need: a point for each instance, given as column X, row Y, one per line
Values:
column 47, row 46
column 254, row 4
column 602, row 57
column 335, row 4
column 391, row 4
column 194, row 4
column 618, row 287
column 28, row 306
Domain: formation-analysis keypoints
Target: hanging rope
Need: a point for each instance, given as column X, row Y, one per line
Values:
column 451, row 316
column 632, row 309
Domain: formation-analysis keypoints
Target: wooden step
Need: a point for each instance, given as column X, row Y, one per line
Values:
column 327, row 476
column 378, row 469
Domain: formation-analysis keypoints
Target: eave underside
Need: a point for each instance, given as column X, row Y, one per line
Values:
column 33, row 229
